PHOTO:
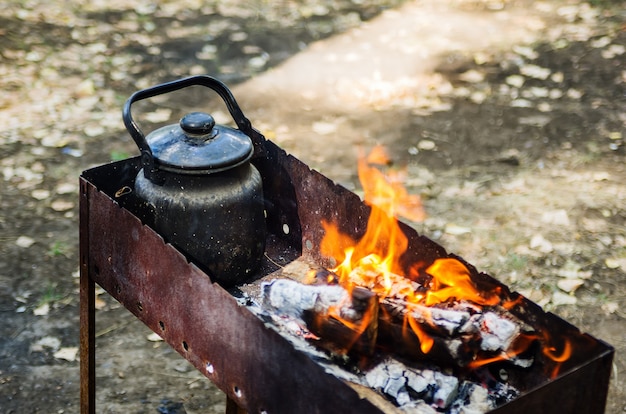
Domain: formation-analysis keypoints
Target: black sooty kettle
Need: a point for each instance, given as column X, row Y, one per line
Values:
column 204, row 195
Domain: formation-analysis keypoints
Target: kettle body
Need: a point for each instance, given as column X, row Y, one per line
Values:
column 201, row 192
column 218, row 221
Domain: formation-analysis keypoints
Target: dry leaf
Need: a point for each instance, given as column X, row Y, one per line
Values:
column 154, row 337
column 67, row 353
column 25, row 241
column 42, row 310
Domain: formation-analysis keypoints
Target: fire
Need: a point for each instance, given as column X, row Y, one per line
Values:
column 372, row 262
column 451, row 279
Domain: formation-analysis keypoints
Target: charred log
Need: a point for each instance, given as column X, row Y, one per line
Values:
column 342, row 321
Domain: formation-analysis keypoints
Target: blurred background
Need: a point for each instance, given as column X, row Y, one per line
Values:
column 508, row 115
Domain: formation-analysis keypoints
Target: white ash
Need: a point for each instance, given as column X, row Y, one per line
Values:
column 415, row 391
column 398, row 381
column 451, row 320
column 429, row 391
column 473, row 399
column 292, row 298
column 418, row 407
column 294, row 326
column 445, row 385
column 294, row 330
column 497, row 332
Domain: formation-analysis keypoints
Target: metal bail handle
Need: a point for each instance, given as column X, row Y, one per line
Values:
column 147, row 159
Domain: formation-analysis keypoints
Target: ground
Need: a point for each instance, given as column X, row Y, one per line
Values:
column 508, row 116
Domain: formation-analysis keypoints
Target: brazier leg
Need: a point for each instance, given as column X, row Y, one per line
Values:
column 232, row 407
column 87, row 345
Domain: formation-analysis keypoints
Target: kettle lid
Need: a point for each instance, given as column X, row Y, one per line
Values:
column 197, row 146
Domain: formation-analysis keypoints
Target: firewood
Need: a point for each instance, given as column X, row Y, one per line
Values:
column 343, row 321
column 457, row 332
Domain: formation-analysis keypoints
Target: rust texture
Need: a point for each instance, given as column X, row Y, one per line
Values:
column 257, row 368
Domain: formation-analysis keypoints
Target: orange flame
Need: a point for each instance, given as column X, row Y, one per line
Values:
column 373, row 261
column 451, row 280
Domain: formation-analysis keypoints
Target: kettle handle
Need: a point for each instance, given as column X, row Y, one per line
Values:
column 147, row 159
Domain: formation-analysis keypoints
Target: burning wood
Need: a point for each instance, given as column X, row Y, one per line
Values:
column 345, row 321
column 465, row 331
column 340, row 320
column 333, row 318
column 438, row 315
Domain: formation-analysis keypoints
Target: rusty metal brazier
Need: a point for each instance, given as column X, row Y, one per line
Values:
column 202, row 193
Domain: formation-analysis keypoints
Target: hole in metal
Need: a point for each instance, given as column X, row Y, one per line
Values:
column 503, row 374
column 210, row 368
column 161, row 325
column 237, row 391
column 140, row 306
column 185, row 346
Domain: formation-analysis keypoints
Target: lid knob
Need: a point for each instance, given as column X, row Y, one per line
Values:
column 197, row 123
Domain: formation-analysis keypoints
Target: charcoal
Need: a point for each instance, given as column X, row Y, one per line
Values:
column 396, row 382
column 399, row 381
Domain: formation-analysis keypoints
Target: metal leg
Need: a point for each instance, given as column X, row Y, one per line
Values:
column 87, row 345
column 232, row 407
column 87, row 315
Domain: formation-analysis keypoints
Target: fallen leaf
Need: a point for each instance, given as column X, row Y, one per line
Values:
column 25, row 241
column 154, row 337
column 66, row 188
column 570, row 285
column 160, row 115
column 517, row 81
column 560, row 298
column 99, row 304
column 556, row 217
column 538, row 242
column 426, row 145
column 324, row 128
column 526, row 52
column 534, row 71
column 521, row 103
column 67, row 353
column 50, row 342
column 42, row 310
column 62, row 205
column 601, row 42
column 616, row 263
column 610, row 307
column 40, row 194
column 472, row 76
column 455, row 230
column 574, row 94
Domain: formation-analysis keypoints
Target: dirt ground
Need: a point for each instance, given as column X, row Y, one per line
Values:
column 508, row 115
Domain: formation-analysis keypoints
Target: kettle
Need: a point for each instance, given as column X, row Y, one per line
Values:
column 203, row 194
